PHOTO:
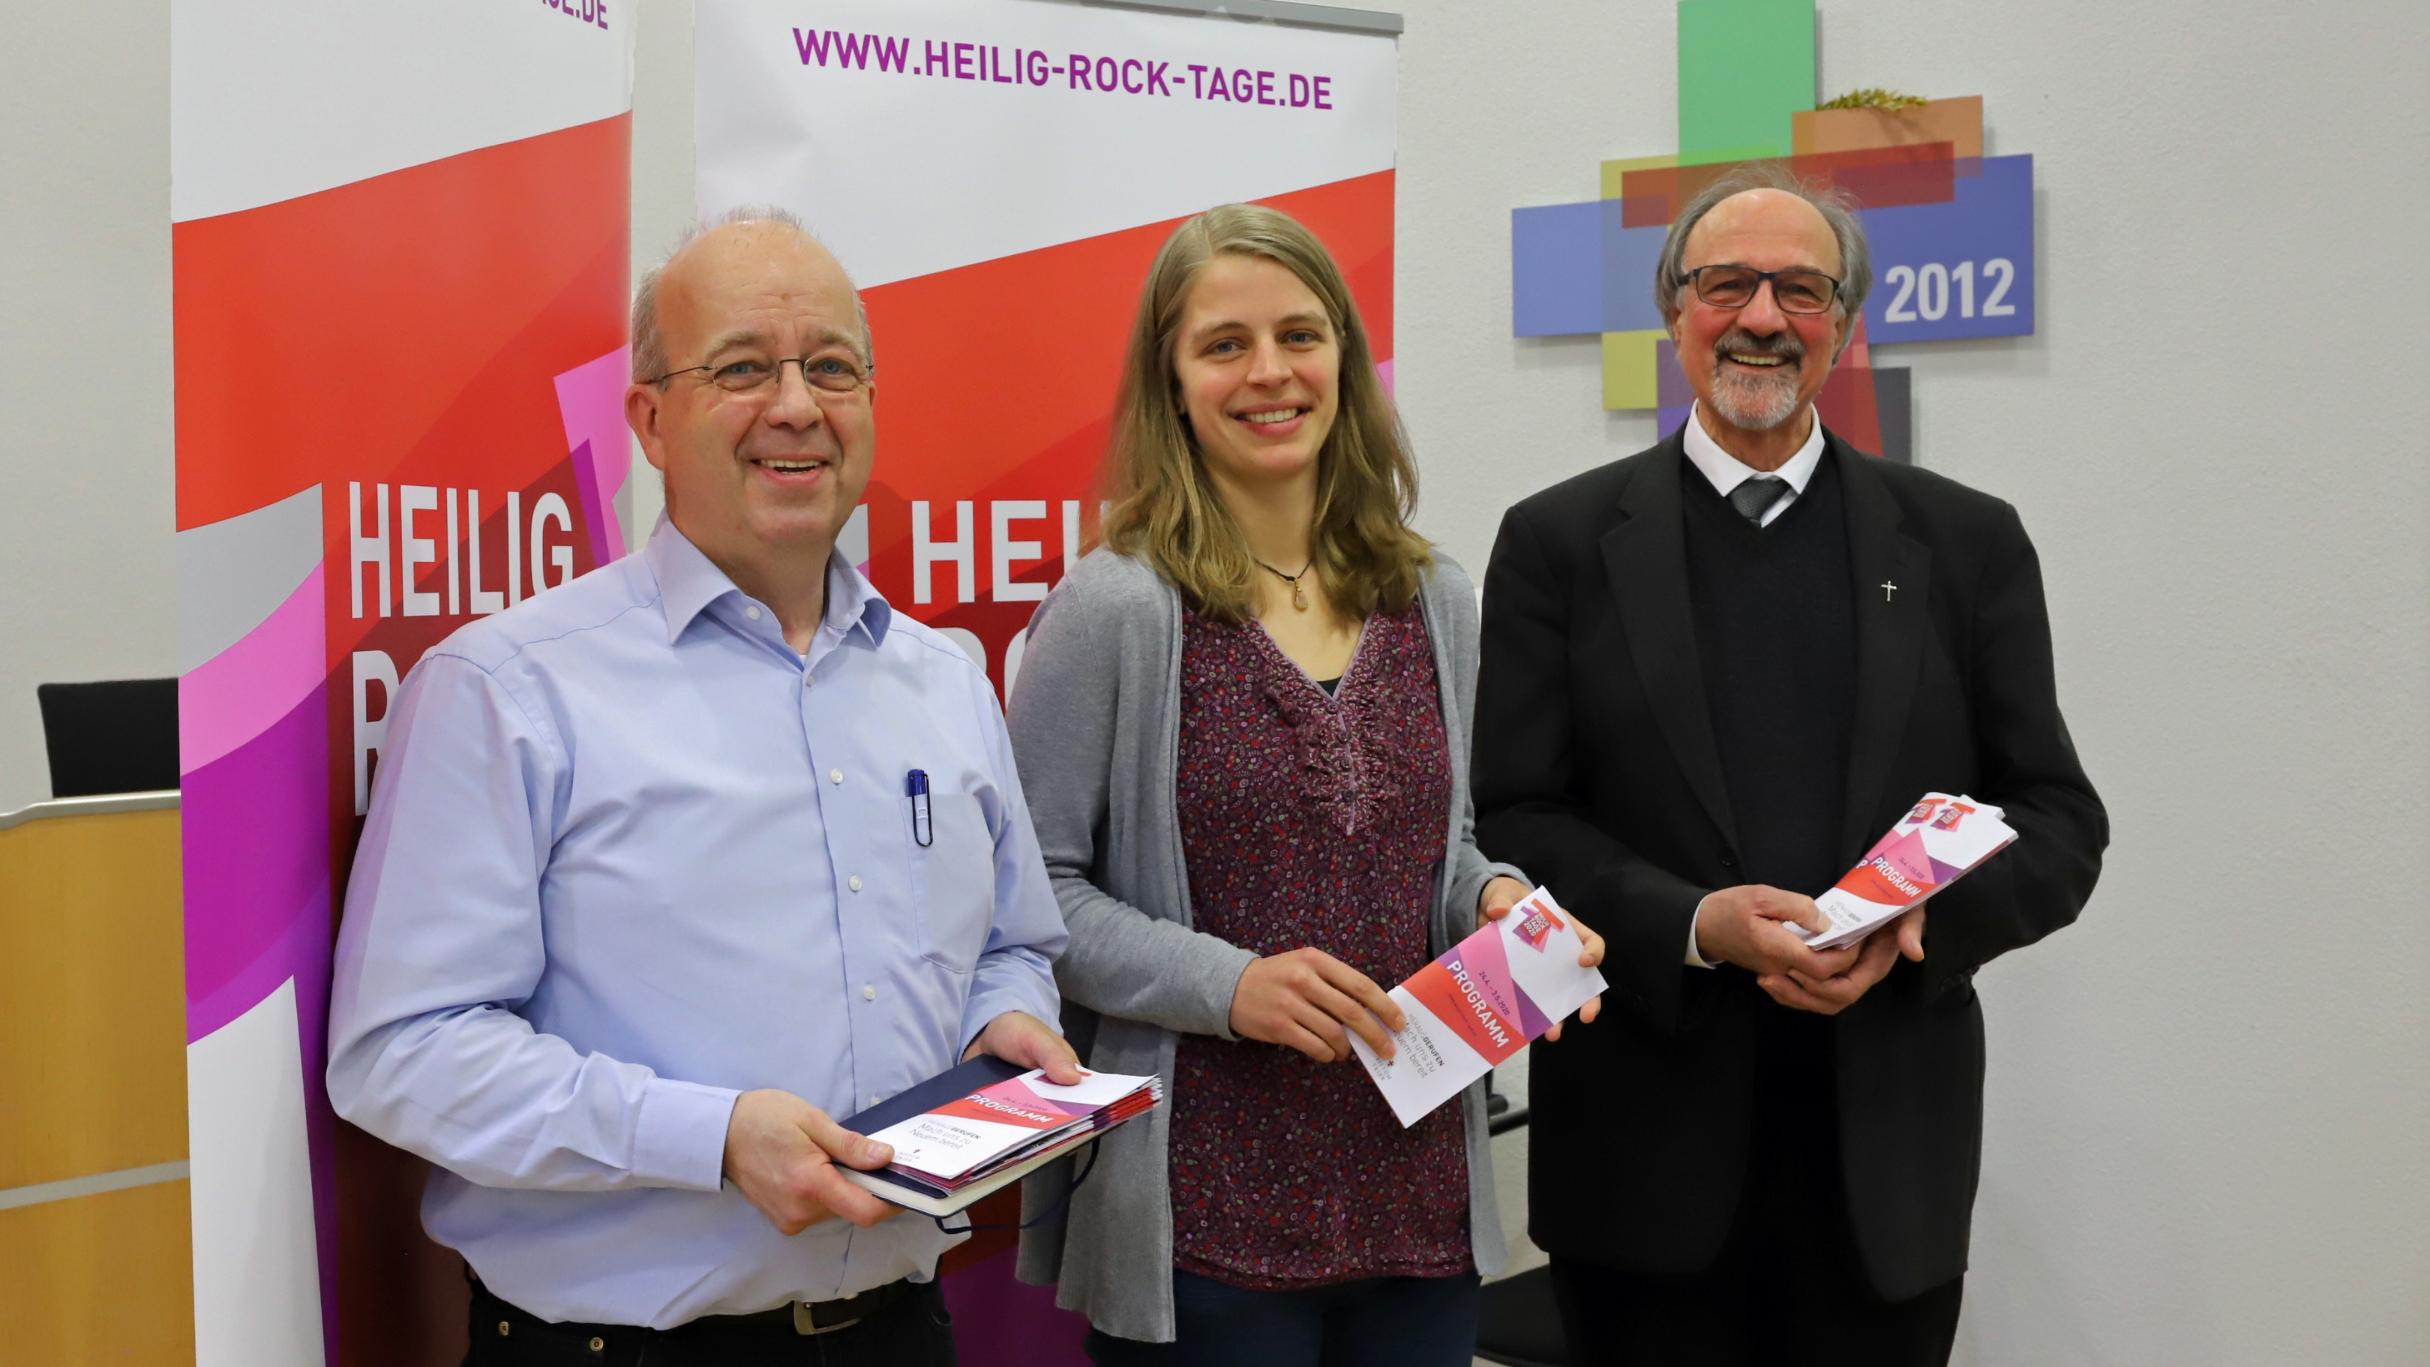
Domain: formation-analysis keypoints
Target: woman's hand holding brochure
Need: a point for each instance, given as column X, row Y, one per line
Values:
column 1500, row 895
column 1310, row 1001
column 1483, row 1001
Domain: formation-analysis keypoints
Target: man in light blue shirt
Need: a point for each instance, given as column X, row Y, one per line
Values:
column 641, row 904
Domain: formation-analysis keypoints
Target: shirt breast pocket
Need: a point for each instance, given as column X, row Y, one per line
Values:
column 953, row 878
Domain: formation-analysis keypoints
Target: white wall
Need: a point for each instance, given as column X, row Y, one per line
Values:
column 86, row 518
column 2208, row 1102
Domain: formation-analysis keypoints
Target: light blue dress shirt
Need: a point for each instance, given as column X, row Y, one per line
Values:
column 629, row 856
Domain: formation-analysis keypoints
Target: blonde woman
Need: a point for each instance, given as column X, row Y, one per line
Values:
column 1243, row 727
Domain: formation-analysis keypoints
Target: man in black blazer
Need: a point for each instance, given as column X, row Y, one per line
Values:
column 1713, row 674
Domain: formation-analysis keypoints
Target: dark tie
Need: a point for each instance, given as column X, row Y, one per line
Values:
column 1755, row 497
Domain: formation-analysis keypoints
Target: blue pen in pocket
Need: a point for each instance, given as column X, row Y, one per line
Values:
column 915, row 787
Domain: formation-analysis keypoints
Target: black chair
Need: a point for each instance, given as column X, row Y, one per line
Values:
column 1518, row 1325
column 114, row 737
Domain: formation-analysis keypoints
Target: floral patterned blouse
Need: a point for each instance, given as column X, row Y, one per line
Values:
column 1311, row 819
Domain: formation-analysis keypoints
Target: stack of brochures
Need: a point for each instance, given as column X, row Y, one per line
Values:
column 1944, row 837
column 968, row 1132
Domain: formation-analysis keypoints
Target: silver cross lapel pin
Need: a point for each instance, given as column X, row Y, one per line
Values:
column 1888, row 589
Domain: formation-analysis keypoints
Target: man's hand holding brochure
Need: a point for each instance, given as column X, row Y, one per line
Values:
column 967, row 1132
column 1481, row 1002
column 1940, row 840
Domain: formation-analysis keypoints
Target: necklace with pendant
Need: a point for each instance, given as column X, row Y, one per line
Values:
column 1299, row 596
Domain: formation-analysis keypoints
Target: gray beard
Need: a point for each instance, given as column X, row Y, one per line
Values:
column 1756, row 403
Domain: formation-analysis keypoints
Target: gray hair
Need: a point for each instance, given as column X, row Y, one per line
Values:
column 1855, row 261
column 649, row 345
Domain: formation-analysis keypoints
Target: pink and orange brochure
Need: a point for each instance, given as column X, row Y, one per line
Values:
column 975, row 1134
column 1481, row 1002
column 1940, row 840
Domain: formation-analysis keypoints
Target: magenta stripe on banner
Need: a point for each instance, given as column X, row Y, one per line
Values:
column 241, row 692
column 986, row 1293
column 586, row 488
column 258, row 887
column 590, row 401
column 256, row 838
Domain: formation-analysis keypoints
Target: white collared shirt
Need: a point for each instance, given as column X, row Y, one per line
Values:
column 1727, row 472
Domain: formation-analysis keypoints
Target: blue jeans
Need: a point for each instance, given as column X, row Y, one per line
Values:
column 1380, row 1322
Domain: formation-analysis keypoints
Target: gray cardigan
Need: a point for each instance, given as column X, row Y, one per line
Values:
column 1095, row 722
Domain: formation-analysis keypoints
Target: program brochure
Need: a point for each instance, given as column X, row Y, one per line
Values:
column 1943, row 838
column 972, row 1130
column 1478, row 1004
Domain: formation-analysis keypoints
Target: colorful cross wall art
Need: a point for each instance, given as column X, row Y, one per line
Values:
column 1951, row 230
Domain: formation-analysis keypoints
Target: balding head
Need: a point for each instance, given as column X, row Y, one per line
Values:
column 751, row 229
column 1775, row 211
column 1756, row 296
column 1767, row 180
column 753, row 397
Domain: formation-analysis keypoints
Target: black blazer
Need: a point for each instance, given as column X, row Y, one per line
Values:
column 1596, row 771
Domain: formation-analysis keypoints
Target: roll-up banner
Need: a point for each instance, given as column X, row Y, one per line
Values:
column 997, row 175
column 400, row 248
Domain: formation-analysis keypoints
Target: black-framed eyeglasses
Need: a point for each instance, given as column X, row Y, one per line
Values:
column 831, row 372
column 1795, row 290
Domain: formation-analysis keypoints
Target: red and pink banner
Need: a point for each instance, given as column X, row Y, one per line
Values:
column 400, row 243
